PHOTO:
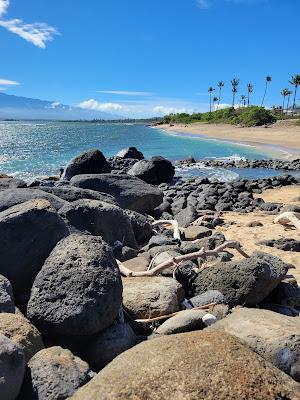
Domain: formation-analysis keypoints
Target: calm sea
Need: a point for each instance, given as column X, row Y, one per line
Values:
column 30, row 149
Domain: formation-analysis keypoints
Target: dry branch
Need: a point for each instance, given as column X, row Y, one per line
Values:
column 287, row 218
column 176, row 260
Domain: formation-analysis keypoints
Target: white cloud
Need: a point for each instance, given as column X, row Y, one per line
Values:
column 37, row 33
column 96, row 106
column 164, row 110
column 4, row 4
column 7, row 82
column 2, row 89
column 126, row 93
column 203, row 4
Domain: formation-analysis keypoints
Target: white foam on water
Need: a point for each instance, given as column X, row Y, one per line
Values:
column 234, row 157
column 214, row 174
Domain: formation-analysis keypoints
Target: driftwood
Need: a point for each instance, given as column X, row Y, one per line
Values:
column 176, row 260
column 204, row 307
column 288, row 218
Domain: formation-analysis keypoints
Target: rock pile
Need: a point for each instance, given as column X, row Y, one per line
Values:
column 91, row 283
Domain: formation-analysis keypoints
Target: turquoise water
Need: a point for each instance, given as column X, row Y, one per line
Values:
column 29, row 149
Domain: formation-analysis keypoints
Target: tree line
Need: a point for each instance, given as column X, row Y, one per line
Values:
column 245, row 100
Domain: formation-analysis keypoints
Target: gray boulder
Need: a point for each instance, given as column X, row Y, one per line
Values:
column 55, row 374
column 141, row 226
column 11, row 183
column 131, row 193
column 247, row 281
column 100, row 219
column 190, row 366
column 12, row 197
column 184, row 321
column 274, row 336
column 102, row 349
column 211, row 296
column 89, row 162
column 186, row 216
column 71, row 193
column 155, row 171
column 7, row 304
column 28, row 232
column 17, row 328
column 285, row 244
column 78, row 291
column 130, row 152
column 12, row 368
column 148, row 297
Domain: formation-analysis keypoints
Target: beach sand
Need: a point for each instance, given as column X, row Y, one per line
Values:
column 235, row 227
column 282, row 137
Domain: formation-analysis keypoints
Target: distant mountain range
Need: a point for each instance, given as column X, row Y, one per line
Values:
column 16, row 107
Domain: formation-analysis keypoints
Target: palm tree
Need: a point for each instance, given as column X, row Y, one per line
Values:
column 288, row 102
column 250, row 90
column 210, row 90
column 215, row 99
column 268, row 80
column 285, row 92
column 220, row 86
column 234, row 83
column 295, row 82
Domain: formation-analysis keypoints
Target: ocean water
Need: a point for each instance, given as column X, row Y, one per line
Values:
column 30, row 149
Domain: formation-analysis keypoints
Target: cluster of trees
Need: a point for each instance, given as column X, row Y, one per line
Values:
column 245, row 99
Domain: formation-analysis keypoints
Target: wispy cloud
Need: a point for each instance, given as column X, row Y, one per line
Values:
column 163, row 110
column 97, row 106
column 126, row 93
column 7, row 82
column 4, row 4
column 203, row 4
column 37, row 33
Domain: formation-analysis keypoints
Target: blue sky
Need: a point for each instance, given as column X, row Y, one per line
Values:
column 138, row 57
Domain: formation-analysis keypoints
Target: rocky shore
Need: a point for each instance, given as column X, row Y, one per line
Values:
column 117, row 282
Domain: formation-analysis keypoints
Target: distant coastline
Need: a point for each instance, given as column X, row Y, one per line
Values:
column 281, row 140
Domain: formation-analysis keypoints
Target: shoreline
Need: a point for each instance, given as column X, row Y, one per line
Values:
column 272, row 140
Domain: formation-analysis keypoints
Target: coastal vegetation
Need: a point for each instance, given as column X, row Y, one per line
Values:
column 245, row 116
column 242, row 113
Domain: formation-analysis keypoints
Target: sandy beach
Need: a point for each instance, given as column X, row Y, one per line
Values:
column 236, row 228
column 282, row 139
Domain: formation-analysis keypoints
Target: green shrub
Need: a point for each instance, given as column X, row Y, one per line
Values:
column 246, row 116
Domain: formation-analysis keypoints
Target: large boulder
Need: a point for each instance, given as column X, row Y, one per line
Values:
column 89, row 162
column 130, row 152
column 28, row 232
column 107, row 345
column 141, row 226
column 7, row 304
column 55, row 373
column 190, row 366
column 155, row 171
column 100, row 219
column 20, row 330
column 71, row 193
column 274, row 336
column 12, row 197
column 131, row 193
column 147, row 297
column 245, row 282
column 12, row 368
column 78, row 291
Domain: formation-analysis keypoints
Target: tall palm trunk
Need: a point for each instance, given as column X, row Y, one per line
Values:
column 220, row 92
column 288, row 102
column 210, row 102
column 295, row 96
column 283, row 105
column 233, row 99
column 266, row 88
column 248, row 101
